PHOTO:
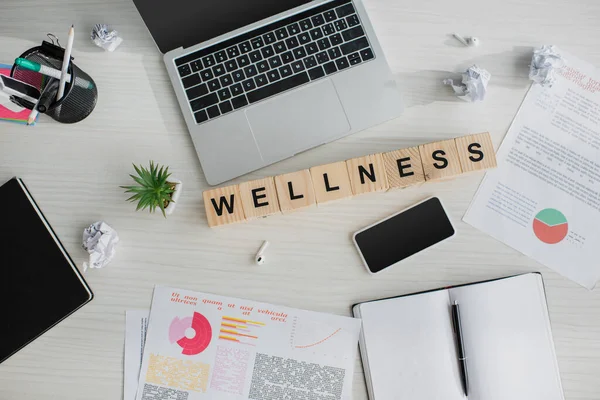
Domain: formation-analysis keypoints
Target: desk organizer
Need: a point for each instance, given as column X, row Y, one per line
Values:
column 373, row 173
column 81, row 94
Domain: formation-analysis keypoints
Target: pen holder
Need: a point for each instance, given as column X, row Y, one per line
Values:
column 80, row 95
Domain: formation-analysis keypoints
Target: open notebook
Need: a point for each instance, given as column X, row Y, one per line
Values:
column 409, row 350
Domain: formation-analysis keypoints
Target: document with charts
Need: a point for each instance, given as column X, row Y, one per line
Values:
column 544, row 197
column 136, row 325
column 205, row 346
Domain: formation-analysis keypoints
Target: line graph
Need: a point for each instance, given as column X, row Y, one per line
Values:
column 313, row 335
column 320, row 341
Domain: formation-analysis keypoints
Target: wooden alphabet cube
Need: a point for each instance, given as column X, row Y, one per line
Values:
column 259, row 198
column 367, row 174
column 403, row 167
column 476, row 152
column 295, row 191
column 440, row 160
column 223, row 206
column 331, row 182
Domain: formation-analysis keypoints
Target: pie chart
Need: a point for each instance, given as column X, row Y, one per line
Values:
column 550, row 226
column 192, row 334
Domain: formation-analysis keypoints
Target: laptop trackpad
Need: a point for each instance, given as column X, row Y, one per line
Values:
column 297, row 121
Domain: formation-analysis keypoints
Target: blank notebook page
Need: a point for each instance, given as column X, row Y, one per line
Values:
column 508, row 340
column 410, row 347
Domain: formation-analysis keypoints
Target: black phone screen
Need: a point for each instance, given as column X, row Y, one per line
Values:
column 404, row 234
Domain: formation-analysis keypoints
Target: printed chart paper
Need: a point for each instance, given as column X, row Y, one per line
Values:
column 204, row 346
column 544, row 197
column 136, row 325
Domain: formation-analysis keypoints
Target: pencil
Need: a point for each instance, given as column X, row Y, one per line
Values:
column 32, row 115
column 65, row 64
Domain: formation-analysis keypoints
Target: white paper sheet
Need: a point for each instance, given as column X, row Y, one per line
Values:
column 409, row 349
column 136, row 325
column 204, row 346
column 508, row 340
column 544, row 197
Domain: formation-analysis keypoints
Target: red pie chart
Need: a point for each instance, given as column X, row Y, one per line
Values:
column 550, row 226
column 198, row 340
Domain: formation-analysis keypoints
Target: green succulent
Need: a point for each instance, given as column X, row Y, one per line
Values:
column 153, row 190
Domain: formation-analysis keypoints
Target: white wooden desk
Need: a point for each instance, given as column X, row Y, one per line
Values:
column 75, row 171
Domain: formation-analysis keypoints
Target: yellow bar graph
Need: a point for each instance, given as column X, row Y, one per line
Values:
column 228, row 338
column 237, row 333
column 234, row 325
column 244, row 321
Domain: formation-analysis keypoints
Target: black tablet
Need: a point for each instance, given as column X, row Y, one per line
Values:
column 39, row 284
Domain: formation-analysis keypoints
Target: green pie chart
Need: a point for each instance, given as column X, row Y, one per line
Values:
column 550, row 226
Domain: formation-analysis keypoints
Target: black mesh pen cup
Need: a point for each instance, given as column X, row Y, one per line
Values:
column 80, row 95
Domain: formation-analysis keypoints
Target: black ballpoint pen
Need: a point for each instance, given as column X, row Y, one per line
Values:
column 462, row 359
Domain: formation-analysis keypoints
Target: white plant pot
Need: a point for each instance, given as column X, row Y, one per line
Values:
column 172, row 204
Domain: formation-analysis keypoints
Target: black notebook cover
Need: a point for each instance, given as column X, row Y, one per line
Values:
column 39, row 283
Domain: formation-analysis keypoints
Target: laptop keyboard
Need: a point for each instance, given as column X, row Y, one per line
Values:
column 278, row 57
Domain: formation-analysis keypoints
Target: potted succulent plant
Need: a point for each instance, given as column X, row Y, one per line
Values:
column 155, row 189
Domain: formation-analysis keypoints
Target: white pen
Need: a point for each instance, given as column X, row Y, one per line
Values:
column 65, row 64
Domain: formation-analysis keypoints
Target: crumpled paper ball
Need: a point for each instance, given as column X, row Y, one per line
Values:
column 100, row 241
column 543, row 64
column 473, row 86
column 105, row 38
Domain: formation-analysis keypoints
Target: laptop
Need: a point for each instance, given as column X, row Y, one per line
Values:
column 259, row 81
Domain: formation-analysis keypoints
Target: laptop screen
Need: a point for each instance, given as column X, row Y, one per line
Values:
column 185, row 23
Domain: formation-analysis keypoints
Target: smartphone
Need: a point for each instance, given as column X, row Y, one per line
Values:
column 20, row 89
column 403, row 234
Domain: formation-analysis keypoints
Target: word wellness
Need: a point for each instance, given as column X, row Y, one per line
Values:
column 373, row 173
